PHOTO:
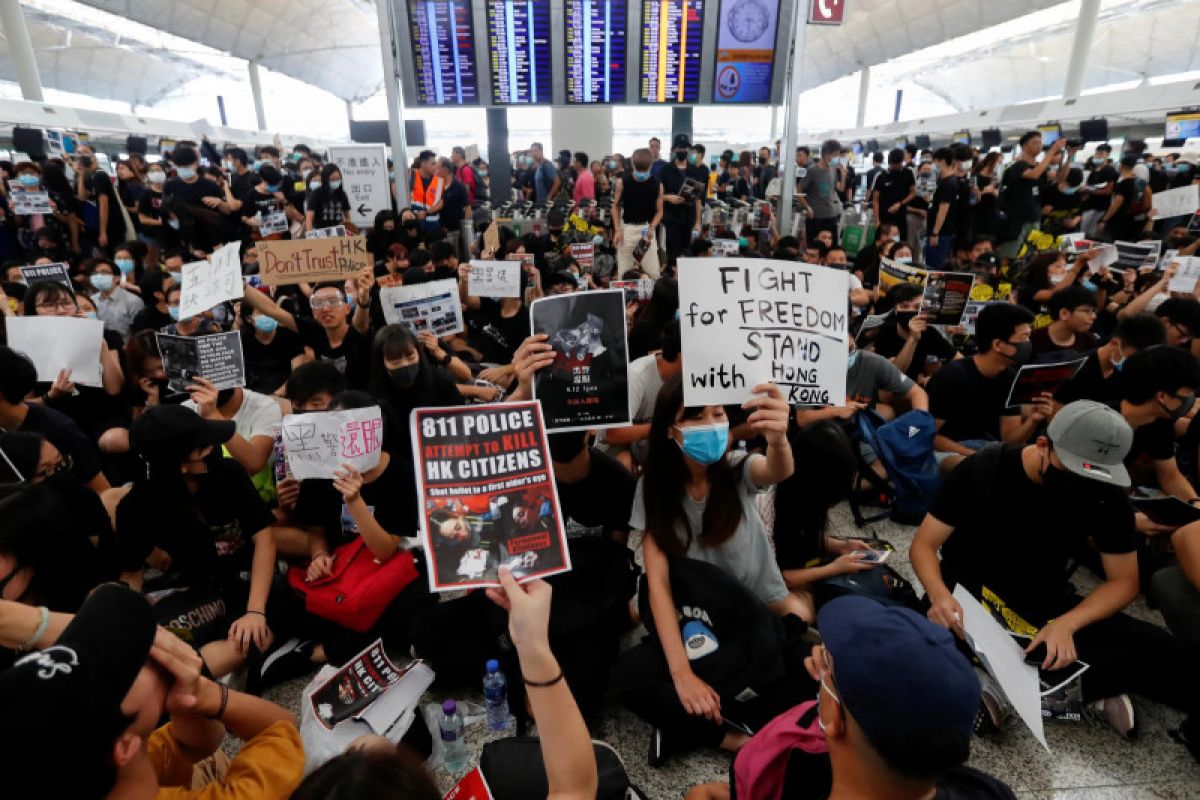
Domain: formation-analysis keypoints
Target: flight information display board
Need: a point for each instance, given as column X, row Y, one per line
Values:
column 672, row 31
column 596, row 51
column 745, row 51
column 519, row 41
column 443, row 52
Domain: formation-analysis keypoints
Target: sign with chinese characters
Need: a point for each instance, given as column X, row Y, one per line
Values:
column 208, row 283
column 319, row 444
column 364, row 179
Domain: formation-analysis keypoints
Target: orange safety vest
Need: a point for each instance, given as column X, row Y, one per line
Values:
column 424, row 194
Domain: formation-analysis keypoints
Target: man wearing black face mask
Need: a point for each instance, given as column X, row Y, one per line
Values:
column 909, row 342
column 681, row 215
column 1013, row 552
column 968, row 397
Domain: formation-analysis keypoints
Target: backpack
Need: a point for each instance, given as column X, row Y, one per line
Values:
column 514, row 770
column 359, row 588
column 882, row 584
column 905, row 447
column 760, row 767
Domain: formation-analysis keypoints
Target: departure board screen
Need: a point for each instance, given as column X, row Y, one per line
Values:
column 671, row 43
column 519, row 40
column 745, row 51
column 443, row 52
column 596, row 51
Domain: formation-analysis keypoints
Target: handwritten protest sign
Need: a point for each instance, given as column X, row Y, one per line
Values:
column 432, row 306
column 318, row 444
column 58, row 343
column 312, row 261
column 26, row 203
column 749, row 321
column 216, row 358
column 893, row 272
column 336, row 232
column 486, row 487
column 1186, row 275
column 946, row 295
column 1179, row 202
column 58, row 273
column 208, row 283
column 494, row 279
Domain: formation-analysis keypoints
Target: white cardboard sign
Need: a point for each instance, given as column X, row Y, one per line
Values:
column 432, row 306
column 364, row 179
column 58, row 343
column 318, row 444
column 494, row 279
column 208, row 283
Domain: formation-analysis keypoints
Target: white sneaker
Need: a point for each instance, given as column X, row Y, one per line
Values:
column 1118, row 713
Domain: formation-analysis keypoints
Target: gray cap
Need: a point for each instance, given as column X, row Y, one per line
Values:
column 1092, row 440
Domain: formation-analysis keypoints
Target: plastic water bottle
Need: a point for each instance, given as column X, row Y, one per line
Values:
column 495, row 695
column 454, row 743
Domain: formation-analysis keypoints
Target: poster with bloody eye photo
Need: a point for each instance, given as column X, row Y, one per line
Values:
column 487, row 495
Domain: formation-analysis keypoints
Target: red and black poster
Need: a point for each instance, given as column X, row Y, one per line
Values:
column 488, row 495
column 587, row 386
column 1034, row 380
column 353, row 688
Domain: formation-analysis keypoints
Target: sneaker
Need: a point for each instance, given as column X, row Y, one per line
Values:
column 657, row 754
column 292, row 659
column 1118, row 713
column 994, row 708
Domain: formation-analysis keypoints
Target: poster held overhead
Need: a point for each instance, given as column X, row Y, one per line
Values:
column 209, row 283
column 487, row 494
column 57, row 273
column 432, row 306
column 494, row 279
column 747, row 321
column 312, row 260
column 587, row 386
column 1179, row 202
column 57, row 343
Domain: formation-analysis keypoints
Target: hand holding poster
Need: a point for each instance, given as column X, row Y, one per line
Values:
column 893, row 272
column 58, row 273
column 312, row 261
column 216, row 358
column 1034, row 380
column 1186, row 274
column 584, row 255
column 209, row 283
column 272, row 223
column 487, row 492
column 751, row 321
column 318, row 444
column 336, row 232
column 1137, row 255
column 27, row 203
column 57, row 343
column 494, row 279
column 946, row 295
column 587, row 386
column 432, row 306
column 1179, row 202
column 725, row 248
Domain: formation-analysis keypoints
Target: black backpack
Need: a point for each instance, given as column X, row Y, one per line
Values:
column 514, row 770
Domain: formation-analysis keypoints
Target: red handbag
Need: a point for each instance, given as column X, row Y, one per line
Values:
column 359, row 588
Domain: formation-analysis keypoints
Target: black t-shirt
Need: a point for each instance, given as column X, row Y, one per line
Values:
column 889, row 343
column 455, row 202
column 391, row 497
column 1152, row 442
column 1047, row 351
column 498, row 336
column 150, row 319
column 62, row 432
column 893, row 186
column 193, row 193
column 256, row 202
column 681, row 214
column 970, row 404
column 947, row 193
column 329, row 207
column 351, row 357
column 213, row 538
column 240, row 184
column 100, row 185
column 603, row 499
column 269, row 365
column 1017, row 537
column 1019, row 197
column 1121, row 225
column 639, row 200
column 1089, row 383
column 1106, row 174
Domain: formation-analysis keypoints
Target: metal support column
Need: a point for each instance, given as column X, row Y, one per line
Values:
column 395, row 103
column 864, row 88
column 1085, row 32
column 20, row 48
column 260, row 113
column 791, row 120
column 498, row 157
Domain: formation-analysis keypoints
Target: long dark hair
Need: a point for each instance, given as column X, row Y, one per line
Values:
column 824, row 471
column 397, row 341
column 369, row 775
column 1037, row 271
column 46, row 291
column 324, row 194
column 663, row 305
column 666, row 477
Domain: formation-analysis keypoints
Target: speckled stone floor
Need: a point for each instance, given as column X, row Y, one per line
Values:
column 1088, row 762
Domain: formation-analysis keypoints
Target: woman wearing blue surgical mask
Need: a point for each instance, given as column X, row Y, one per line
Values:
column 270, row 350
column 328, row 205
column 697, row 500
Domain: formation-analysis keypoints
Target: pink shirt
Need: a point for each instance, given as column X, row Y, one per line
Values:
column 585, row 186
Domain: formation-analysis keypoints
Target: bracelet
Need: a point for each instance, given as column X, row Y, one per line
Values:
column 38, row 632
column 544, row 684
column 262, row 614
column 224, row 702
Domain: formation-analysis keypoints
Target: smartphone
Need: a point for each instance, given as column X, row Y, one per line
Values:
column 875, row 556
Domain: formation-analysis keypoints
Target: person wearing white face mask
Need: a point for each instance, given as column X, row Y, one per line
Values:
column 115, row 307
column 327, row 205
column 150, row 212
column 198, row 196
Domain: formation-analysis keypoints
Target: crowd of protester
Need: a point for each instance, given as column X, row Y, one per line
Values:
column 172, row 504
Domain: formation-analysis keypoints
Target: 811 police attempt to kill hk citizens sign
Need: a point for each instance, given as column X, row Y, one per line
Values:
column 746, row 321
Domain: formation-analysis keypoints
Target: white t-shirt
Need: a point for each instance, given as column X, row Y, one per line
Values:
column 644, row 385
column 258, row 415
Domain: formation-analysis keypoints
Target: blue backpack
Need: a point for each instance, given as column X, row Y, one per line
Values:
column 905, row 446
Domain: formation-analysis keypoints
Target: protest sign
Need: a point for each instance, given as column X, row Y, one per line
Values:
column 26, row 202
column 1186, row 275
column 318, row 444
column 58, row 273
column 365, row 179
column 471, row 787
column 1034, row 380
column 216, row 358
column 691, row 190
column 1137, row 255
column 312, row 261
column 432, row 306
column 486, row 487
column 748, row 321
column 870, row 328
column 584, row 255
column 725, row 248
column 494, row 279
column 587, row 386
column 336, row 232
column 946, row 295
column 1180, row 202
column 1106, row 257
column 893, row 272
column 637, row 291
column 57, row 343
column 208, row 283
column 491, row 238
column 272, row 223
column 526, row 259
column 348, row 692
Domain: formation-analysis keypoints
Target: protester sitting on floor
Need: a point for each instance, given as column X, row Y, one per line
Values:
column 1073, row 311
column 906, row 338
column 1098, row 378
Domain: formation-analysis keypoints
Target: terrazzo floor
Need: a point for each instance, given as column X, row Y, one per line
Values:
column 1088, row 761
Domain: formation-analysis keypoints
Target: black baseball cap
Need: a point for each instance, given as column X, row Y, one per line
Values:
column 171, row 433
column 75, row 687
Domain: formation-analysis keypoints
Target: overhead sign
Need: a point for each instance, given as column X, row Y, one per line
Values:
column 826, row 12
column 364, row 179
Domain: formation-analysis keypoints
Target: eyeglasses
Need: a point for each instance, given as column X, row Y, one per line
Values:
column 65, row 304
column 327, row 303
column 64, row 462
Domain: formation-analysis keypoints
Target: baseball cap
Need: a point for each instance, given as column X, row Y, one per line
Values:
column 170, row 433
column 1092, row 440
column 897, row 674
column 76, row 687
column 681, row 140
